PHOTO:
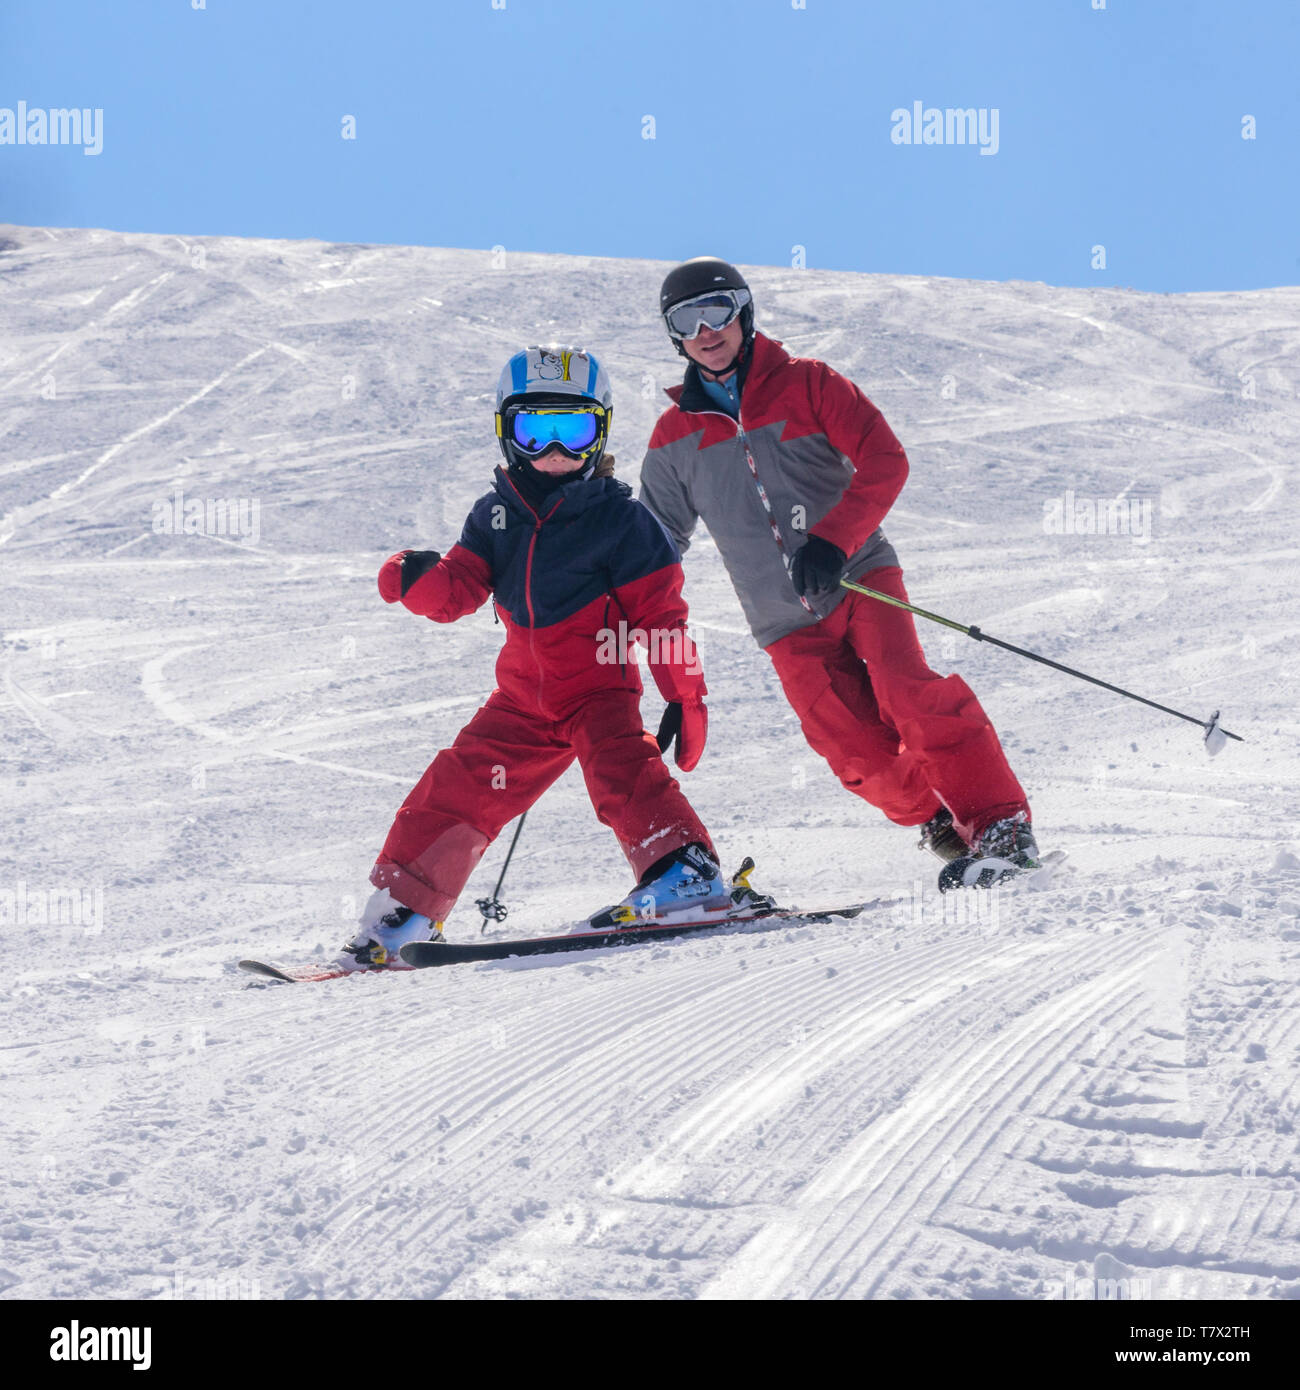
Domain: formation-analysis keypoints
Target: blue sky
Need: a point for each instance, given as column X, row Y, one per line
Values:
column 523, row 126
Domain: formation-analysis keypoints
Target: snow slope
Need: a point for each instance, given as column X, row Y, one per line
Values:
column 1086, row 1090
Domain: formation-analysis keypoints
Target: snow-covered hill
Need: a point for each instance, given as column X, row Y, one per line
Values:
column 205, row 736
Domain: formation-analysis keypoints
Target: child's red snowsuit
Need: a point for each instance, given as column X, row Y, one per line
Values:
column 568, row 581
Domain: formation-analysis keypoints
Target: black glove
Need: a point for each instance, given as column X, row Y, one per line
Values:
column 670, row 725
column 415, row 564
column 817, row 567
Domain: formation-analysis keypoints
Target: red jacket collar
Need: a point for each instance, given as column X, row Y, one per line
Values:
column 767, row 355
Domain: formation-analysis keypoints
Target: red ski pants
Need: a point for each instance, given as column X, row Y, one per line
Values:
column 893, row 731
column 500, row 763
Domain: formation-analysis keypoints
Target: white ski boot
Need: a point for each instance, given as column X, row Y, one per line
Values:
column 386, row 926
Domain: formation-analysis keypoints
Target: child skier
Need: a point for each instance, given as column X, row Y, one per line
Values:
column 570, row 559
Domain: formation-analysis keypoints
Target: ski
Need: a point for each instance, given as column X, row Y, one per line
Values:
column 420, row 955
column 304, row 974
column 970, row 872
column 424, row 954
column 610, row 927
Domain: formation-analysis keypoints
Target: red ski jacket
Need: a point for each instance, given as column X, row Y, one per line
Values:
column 809, row 456
column 576, row 584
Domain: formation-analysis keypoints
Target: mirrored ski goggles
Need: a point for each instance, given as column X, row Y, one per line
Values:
column 714, row 310
column 575, row 431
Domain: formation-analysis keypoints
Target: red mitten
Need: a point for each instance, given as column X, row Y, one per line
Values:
column 685, row 724
column 390, row 577
column 400, row 571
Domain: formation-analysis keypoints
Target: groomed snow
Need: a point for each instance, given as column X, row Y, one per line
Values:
column 1090, row 1089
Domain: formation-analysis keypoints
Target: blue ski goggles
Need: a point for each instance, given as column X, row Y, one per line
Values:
column 714, row 310
column 576, row 432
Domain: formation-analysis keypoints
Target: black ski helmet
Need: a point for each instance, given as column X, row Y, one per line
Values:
column 698, row 276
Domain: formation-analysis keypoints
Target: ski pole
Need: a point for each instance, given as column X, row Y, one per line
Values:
column 493, row 909
column 1211, row 725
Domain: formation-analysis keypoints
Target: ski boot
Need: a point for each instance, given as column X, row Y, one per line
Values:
column 686, row 884
column 386, row 926
column 1001, row 850
column 940, row 837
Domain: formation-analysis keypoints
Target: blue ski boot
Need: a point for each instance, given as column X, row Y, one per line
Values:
column 683, row 886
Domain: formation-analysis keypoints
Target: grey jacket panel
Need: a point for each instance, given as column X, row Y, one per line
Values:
column 804, row 478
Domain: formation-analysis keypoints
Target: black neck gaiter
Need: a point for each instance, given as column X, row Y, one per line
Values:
column 537, row 486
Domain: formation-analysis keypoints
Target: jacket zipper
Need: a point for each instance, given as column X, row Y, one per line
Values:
column 786, row 558
column 611, row 597
column 528, row 589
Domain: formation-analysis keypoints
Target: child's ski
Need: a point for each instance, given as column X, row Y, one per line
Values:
column 420, row 955
column 306, row 974
column 423, row 954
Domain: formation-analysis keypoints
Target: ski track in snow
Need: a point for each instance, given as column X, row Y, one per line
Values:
column 205, row 737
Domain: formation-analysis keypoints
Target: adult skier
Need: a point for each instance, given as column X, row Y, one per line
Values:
column 793, row 470
column 565, row 551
